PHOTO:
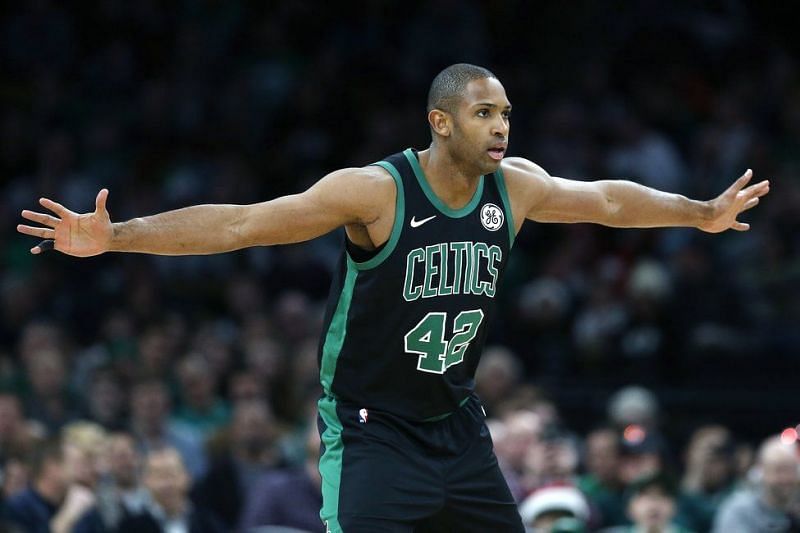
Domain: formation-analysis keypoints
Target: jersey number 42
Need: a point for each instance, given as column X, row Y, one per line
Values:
column 436, row 354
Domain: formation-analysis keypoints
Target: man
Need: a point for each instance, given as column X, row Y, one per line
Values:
column 601, row 483
column 121, row 494
column 152, row 429
column 52, row 502
column 774, row 503
column 287, row 497
column 249, row 451
column 169, row 509
column 427, row 239
column 651, row 506
column 709, row 477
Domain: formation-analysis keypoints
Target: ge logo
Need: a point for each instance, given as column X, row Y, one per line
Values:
column 491, row 217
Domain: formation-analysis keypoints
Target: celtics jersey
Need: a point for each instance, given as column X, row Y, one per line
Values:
column 405, row 328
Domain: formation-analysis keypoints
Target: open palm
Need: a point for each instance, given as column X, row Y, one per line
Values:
column 730, row 204
column 80, row 235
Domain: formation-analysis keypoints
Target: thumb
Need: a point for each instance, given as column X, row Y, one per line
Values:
column 100, row 202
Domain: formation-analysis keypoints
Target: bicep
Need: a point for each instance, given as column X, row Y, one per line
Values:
column 342, row 197
column 570, row 201
column 545, row 198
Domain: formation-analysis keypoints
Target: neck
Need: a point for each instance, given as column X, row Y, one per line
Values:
column 451, row 179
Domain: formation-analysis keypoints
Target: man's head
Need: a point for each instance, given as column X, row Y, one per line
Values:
column 652, row 502
column 150, row 405
column 252, row 429
column 780, row 473
column 47, row 470
column 123, row 460
column 603, row 455
column 468, row 114
column 167, row 480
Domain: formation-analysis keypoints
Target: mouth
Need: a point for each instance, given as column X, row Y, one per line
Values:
column 497, row 152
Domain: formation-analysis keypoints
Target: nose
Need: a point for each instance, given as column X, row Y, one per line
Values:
column 500, row 127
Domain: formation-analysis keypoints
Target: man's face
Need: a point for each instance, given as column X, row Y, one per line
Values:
column 166, row 479
column 651, row 508
column 123, row 461
column 781, row 479
column 480, row 125
column 602, row 455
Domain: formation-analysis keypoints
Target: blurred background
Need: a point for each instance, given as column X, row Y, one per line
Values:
column 176, row 103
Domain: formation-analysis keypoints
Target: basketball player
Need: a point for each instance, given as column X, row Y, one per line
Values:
column 427, row 239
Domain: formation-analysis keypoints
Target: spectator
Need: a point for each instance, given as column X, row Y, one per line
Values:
column 48, row 401
column 152, row 430
column 17, row 436
column 651, row 506
column 290, row 498
column 552, row 459
column 169, row 508
column 497, row 375
column 643, row 454
column 709, row 476
column 601, row 482
column 105, row 400
column 771, row 504
column 548, row 505
column 200, row 409
column 121, row 493
column 248, row 453
column 52, row 503
column 522, row 431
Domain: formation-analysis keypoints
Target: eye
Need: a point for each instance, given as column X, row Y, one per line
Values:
column 483, row 113
column 506, row 114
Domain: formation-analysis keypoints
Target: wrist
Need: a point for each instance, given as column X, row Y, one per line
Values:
column 703, row 213
column 115, row 241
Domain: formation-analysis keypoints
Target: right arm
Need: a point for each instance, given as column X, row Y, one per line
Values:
column 356, row 196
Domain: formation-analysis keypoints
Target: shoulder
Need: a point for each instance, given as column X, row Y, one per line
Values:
column 523, row 175
column 520, row 167
column 371, row 178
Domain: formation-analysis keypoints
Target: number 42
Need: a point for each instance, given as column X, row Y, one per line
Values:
column 427, row 339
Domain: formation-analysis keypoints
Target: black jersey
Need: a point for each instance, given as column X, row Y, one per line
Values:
column 405, row 328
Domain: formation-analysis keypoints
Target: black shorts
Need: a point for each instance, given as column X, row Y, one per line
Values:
column 381, row 473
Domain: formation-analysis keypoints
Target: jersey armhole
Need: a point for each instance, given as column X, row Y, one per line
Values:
column 397, row 226
column 501, row 187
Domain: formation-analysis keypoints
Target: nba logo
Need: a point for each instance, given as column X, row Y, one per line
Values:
column 362, row 415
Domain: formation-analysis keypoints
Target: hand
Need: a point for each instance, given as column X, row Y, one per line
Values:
column 728, row 205
column 81, row 235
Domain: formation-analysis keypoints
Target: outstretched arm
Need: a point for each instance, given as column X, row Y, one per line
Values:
column 349, row 196
column 625, row 204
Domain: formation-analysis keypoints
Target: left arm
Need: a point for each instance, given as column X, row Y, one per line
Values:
column 624, row 204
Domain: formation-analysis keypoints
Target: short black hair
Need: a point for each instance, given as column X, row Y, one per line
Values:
column 448, row 86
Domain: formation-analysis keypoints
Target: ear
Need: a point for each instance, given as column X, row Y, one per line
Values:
column 440, row 121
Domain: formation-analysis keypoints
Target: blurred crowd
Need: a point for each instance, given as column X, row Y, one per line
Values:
column 184, row 388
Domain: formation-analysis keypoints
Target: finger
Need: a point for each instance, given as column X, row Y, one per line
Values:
column 761, row 187
column 749, row 204
column 100, row 201
column 55, row 207
column 44, row 233
column 45, row 245
column 41, row 218
column 740, row 226
column 739, row 184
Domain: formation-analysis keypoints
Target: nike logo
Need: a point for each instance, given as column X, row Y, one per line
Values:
column 417, row 223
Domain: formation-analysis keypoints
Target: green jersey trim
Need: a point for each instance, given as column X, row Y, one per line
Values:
column 437, row 203
column 330, row 463
column 442, row 417
column 334, row 338
column 501, row 186
column 397, row 227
